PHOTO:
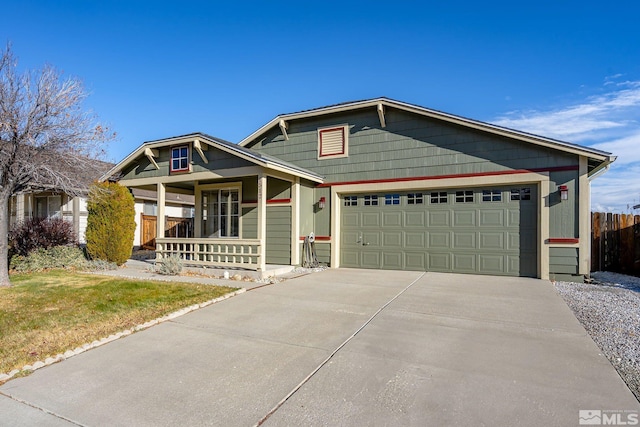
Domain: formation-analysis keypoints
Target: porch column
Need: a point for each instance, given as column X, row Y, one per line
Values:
column 160, row 212
column 19, row 208
column 583, row 193
column 75, row 211
column 197, row 220
column 295, row 221
column 262, row 220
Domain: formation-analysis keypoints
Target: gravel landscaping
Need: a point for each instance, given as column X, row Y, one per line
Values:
column 609, row 309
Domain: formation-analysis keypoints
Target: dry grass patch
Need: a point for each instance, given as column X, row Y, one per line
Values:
column 45, row 314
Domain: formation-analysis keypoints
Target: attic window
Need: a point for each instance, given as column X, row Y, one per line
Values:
column 180, row 159
column 333, row 142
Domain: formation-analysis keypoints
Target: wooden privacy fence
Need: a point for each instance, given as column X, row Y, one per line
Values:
column 173, row 227
column 615, row 243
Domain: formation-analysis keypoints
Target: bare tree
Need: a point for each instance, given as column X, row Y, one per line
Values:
column 46, row 138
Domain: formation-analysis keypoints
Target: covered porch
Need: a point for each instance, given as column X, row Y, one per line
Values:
column 246, row 210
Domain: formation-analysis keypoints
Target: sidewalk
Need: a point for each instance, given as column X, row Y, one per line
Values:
column 141, row 269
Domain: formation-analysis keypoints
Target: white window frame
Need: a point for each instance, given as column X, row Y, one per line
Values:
column 49, row 199
column 233, row 186
column 350, row 200
column 345, row 142
column 179, row 158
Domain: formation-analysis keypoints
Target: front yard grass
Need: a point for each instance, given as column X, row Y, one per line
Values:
column 45, row 314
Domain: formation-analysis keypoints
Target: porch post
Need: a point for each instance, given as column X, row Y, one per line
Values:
column 262, row 220
column 19, row 208
column 197, row 220
column 295, row 221
column 160, row 225
column 75, row 211
column 583, row 193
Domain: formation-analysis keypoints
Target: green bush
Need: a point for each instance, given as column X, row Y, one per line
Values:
column 170, row 266
column 111, row 223
column 44, row 259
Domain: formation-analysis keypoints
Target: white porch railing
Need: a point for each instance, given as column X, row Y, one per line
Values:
column 232, row 253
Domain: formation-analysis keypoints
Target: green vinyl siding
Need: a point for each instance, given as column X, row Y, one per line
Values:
column 250, row 223
column 218, row 159
column 323, row 252
column 409, row 146
column 307, row 194
column 563, row 261
column 278, row 235
column 322, row 218
column 563, row 214
column 278, row 188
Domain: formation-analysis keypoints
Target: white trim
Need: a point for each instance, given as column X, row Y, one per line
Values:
column 150, row 155
column 199, row 148
column 283, row 129
column 236, row 186
column 344, row 129
column 380, row 109
column 295, row 222
column 262, row 219
column 584, row 218
column 511, row 133
column 256, row 159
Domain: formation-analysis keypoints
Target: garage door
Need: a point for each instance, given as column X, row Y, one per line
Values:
column 475, row 230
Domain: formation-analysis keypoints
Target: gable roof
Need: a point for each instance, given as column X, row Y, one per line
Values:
column 87, row 172
column 260, row 159
column 598, row 158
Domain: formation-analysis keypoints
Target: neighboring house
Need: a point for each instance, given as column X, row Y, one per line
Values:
column 46, row 201
column 179, row 212
column 382, row 184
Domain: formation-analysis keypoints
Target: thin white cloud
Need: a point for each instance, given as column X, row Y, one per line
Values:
column 618, row 190
column 617, row 109
column 627, row 148
column 608, row 122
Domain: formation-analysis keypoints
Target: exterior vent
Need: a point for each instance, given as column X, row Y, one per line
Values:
column 332, row 142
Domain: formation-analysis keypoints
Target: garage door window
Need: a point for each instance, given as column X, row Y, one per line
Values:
column 391, row 199
column 465, row 196
column 439, row 197
column 521, row 194
column 414, row 198
column 491, row 195
column 351, row 200
column 371, row 200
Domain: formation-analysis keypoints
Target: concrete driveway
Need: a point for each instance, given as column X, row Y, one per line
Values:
column 346, row 347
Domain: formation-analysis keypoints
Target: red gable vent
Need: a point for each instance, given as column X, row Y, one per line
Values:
column 332, row 142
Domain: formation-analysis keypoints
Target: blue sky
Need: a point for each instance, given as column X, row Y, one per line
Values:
column 568, row 70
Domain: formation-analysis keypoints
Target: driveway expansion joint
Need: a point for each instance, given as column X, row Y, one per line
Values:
column 334, row 352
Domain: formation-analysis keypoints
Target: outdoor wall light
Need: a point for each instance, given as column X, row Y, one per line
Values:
column 564, row 192
column 321, row 203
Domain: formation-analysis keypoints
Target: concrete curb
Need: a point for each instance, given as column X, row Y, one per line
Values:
column 97, row 343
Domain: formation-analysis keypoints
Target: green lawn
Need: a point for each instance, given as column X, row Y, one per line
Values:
column 44, row 314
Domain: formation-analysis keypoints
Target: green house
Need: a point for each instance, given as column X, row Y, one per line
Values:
column 381, row 184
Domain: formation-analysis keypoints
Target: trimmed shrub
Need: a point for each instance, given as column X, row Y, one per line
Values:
column 111, row 222
column 44, row 233
column 44, row 259
column 170, row 266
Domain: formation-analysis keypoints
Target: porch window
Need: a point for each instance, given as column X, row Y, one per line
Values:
column 180, row 159
column 48, row 207
column 221, row 213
